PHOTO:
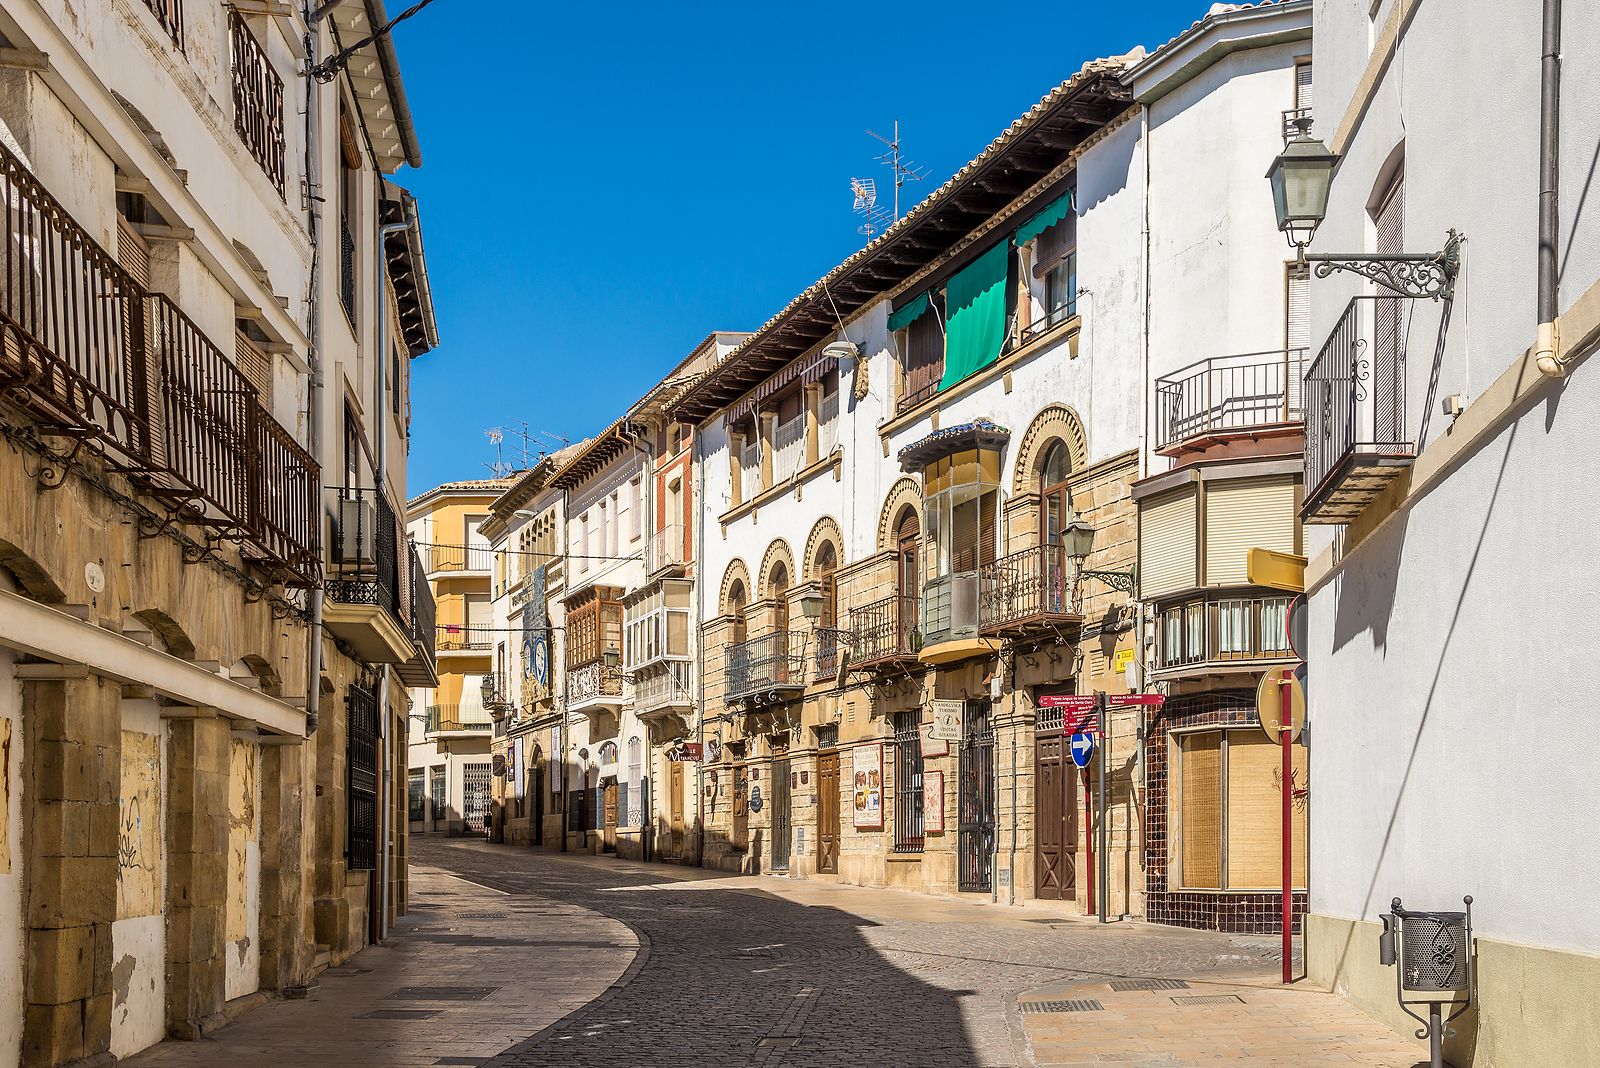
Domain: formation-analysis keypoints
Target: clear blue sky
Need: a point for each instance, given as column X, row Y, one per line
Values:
column 604, row 184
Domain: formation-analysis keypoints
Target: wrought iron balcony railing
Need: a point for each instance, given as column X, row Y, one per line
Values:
column 170, row 14
column 1034, row 587
column 1222, row 630
column 834, row 647
column 446, row 718
column 768, row 666
column 363, row 565
column 347, row 270
column 95, row 357
column 459, row 558
column 1356, row 437
column 464, row 638
column 664, row 685
column 666, row 549
column 257, row 100
column 418, row 604
column 594, row 683
column 1227, row 395
column 885, row 630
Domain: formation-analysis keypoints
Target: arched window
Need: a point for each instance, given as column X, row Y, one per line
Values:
column 908, row 574
column 1055, row 503
column 736, row 600
column 779, row 584
column 827, row 564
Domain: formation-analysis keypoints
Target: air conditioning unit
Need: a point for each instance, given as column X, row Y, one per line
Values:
column 358, row 531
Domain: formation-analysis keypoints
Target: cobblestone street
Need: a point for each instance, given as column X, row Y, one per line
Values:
column 523, row 959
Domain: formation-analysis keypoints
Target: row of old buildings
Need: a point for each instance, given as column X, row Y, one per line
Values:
column 817, row 602
column 210, row 616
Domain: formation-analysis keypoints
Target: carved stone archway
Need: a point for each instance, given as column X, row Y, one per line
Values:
column 1055, row 423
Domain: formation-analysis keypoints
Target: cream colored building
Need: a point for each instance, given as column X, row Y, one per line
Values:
column 208, row 615
column 448, row 765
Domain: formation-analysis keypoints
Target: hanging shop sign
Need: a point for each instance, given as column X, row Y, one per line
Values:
column 688, row 752
column 933, row 802
column 868, row 796
column 945, row 724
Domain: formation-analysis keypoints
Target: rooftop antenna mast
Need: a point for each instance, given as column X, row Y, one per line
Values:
column 503, row 468
column 905, row 170
column 874, row 218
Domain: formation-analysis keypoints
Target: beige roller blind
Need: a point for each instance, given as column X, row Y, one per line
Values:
column 1302, row 84
column 1167, row 543
column 1200, row 810
column 1245, row 515
column 1255, row 812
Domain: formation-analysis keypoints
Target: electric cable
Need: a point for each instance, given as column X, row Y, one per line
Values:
column 329, row 68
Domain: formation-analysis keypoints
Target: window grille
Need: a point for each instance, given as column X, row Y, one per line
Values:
column 361, row 723
column 908, row 821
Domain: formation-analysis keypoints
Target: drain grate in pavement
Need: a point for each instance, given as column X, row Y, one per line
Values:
column 485, row 916
column 1079, row 1005
column 1149, row 984
column 401, row 1014
column 442, row 993
column 1209, row 999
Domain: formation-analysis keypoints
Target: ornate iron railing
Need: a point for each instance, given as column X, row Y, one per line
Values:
column 665, row 684
column 170, row 14
column 91, row 353
column 257, row 100
column 1355, row 392
column 347, row 270
column 1229, row 393
column 886, row 629
column 593, row 682
column 834, row 645
column 1033, row 584
column 424, row 612
column 363, row 556
column 768, row 664
column 1223, row 629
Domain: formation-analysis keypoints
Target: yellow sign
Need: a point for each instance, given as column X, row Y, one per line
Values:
column 1275, row 570
column 1269, row 703
column 1123, row 658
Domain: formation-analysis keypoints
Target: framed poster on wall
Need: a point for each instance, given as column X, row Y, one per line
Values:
column 868, row 785
column 933, row 802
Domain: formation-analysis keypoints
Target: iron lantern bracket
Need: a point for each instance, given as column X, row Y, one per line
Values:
column 1117, row 580
column 1411, row 274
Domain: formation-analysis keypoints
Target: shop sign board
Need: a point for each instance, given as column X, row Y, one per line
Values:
column 946, row 720
column 867, row 793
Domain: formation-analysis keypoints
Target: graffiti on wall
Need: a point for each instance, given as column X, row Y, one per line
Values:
column 242, row 825
column 139, row 837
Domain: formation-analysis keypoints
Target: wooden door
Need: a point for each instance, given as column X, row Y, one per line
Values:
column 1055, row 807
column 908, row 580
column 828, row 812
column 609, row 838
column 740, row 837
column 675, row 795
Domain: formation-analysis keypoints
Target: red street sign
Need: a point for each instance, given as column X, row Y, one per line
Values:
column 686, row 751
column 1084, row 724
column 1144, row 700
column 1076, row 702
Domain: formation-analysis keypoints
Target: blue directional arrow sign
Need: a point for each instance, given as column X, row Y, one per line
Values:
column 1082, row 747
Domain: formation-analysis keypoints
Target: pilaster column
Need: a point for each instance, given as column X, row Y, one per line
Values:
column 813, row 421
column 73, row 780
column 284, row 945
column 736, row 465
column 198, row 750
column 769, row 423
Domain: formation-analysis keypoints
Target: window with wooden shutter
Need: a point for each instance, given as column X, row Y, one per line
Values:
column 1254, row 771
column 924, row 359
column 1167, row 543
column 1200, row 810
column 1244, row 515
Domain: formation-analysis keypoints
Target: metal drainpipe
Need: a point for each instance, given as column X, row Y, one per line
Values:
column 1547, row 339
column 1016, row 741
column 699, row 648
column 566, row 733
column 648, row 484
column 314, row 387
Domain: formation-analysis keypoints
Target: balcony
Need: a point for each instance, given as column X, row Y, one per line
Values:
column 422, row 668
column 362, row 606
column 170, row 14
column 662, row 688
column 257, row 100
column 884, row 633
column 768, row 669
column 1356, row 442
column 834, row 650
column 1227, row 633
column 594, row 686
column 459, row 559
column 464, row 639
column 665, row 551
column 1028, row 592
column 99, row 361
column 448, row 719
column 1252, row 395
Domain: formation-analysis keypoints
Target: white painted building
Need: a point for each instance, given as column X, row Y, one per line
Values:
column 1452, row 608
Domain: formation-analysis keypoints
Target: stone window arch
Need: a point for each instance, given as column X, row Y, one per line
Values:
column 1057, row 423
column 905, row 493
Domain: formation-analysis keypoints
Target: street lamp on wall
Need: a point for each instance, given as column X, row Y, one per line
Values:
column 1077, row 538
column 1301, row 176
column 811, row 605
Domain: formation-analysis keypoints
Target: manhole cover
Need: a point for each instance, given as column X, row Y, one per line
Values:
column 1149, row 984
column 442, row 993
column 1209, row 999
column 1082, row 1005
column 400, row 1014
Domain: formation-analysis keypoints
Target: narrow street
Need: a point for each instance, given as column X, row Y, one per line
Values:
column 518, row 959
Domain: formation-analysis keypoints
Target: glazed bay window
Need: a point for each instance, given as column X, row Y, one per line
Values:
column 1225, row 629
column 1225, row 809
column 658, row 626
column 961, row 508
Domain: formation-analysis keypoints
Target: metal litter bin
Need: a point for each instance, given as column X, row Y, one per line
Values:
column 1435, row 957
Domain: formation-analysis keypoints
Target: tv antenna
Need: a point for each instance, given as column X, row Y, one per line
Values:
column 905, row 170
column 873, row 217
column 501, row 467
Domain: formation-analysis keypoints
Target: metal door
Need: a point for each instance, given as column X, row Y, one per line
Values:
column 781, row 830
column 438, row 803
column 740, row 838
column 828, row 812
column 1055, row 809
column 976, row 831
column 538, row 805
column 475, row 783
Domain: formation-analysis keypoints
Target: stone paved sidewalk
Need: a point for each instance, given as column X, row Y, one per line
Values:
column 516, row 965
column 1248, row 1020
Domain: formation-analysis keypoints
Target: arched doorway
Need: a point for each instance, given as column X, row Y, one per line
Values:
column 908, row 577
column 1055, row 512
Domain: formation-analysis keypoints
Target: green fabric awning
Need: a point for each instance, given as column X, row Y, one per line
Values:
column 907, row 314
column 975, row 315
column 1053, row 213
